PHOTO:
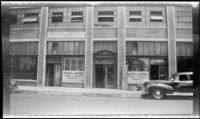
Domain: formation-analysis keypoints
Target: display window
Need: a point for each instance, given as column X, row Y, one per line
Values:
column 74, row 64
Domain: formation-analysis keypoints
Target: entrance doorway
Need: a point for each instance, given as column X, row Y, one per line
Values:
column 100, row 75
column 53, row 73
column 105, row 75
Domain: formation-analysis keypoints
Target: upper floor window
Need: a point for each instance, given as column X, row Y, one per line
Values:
column 77, row 16
column 30, row 18
column 184, row 16
column 57, row 17
column 105, row 16
column 156, row 16
column 135, row 16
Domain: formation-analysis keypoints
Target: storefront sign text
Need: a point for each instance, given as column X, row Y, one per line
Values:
column 66, row 35
column 72, row 76
column 137, row 77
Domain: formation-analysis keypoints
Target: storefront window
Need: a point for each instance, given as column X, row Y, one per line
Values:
column 138, row 64
column 67, row 64
column 74, row 64
column 24, row 67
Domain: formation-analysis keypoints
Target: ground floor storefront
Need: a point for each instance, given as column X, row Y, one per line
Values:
column 65, row 63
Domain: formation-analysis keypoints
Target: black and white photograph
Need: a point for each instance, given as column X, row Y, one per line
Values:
column 100, row 59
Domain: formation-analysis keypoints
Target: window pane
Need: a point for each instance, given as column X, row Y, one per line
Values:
column 134, row 12
column 183, row 77
column 105, row 13
column 156, row 16
column 57, row 17
column 80, row 64
column 67, row 64
column 30, row 18
column 55, row 47
column 77, row 13
column 105, row 19
column 156, row 13
column 135, row 19
column 77, row 17
column 73, row 64
column 24, row 67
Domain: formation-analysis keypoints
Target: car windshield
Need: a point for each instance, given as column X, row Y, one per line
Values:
column 173, row 77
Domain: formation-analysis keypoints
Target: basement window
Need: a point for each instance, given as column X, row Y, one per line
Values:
column 156, row 16
column 135, row 16
column 105, row 16
column 77, row 17
column 30, row 18
column 57, row 17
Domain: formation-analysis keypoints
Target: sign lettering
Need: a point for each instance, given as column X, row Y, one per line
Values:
column 72, row 76
column 137, row 76
column 66, row 35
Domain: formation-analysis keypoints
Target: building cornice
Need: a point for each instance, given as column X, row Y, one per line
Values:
column 24, row 4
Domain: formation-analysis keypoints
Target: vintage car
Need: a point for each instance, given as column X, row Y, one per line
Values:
column 179, row 82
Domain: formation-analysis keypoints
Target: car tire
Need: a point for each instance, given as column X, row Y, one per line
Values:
column 158, row 93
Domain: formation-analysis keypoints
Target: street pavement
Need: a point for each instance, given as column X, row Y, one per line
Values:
column 22, row 104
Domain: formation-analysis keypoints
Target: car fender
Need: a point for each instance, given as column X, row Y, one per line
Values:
column 167, row 88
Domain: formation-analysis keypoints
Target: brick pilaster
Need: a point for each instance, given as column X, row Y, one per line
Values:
column 122, row 75
column 172, row 60
column 42, row 47
column 89, row 47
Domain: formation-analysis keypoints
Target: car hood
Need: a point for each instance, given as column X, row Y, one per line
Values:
column 157, row 81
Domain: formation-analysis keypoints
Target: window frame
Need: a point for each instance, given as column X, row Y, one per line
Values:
column 76, row 16
column 103, row 16
column 155, row 16
column 31, row 18
column 76, row 65
column 135, row 16
column 57, row 17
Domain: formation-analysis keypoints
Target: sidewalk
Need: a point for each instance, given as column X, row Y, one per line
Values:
column 76, row 91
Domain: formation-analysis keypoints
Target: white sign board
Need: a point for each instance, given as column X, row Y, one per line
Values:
column 65, row 34
column 137, row 76
column 72, row 76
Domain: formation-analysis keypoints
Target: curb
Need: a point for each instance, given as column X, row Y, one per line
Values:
column 136, row 95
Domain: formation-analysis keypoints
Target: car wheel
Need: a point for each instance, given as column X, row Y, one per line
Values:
column 158, row 93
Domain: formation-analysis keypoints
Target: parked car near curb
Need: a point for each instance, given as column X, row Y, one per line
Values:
column 179, row 82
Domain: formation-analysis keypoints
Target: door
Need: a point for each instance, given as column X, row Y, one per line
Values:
column 57, row 72
column 100, row 75
column 53, row 75
column 109, row 76
column 50, row 75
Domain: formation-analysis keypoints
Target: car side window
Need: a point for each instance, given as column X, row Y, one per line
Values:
column 183, row 78
column 190, row 77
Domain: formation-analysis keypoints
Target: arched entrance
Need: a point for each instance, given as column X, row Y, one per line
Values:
column 105, row 69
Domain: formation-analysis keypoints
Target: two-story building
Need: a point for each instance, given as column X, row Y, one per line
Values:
column 102, row 45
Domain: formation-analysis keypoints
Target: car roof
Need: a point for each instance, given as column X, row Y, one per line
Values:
column 182, row 73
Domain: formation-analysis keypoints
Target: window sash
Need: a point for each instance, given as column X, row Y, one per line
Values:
column 57, row 17
column 157, row 17
column 30, row 20
column 73, row 67
column 107, row 13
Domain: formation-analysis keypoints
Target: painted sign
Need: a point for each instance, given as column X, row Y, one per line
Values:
column 137, row 76
column 65, row 34
column 72, row 76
